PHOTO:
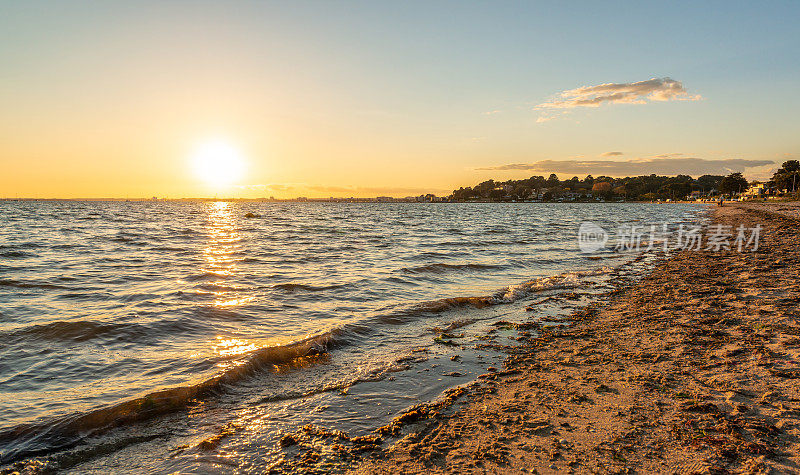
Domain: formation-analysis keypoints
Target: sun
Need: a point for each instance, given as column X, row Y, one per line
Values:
column 218, row 163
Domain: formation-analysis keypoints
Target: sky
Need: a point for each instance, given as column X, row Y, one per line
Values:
column 335, row 98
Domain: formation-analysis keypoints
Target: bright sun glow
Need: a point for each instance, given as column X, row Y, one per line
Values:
column 218, row 164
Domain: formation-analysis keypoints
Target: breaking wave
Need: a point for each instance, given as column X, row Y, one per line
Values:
column 512, row 293
column 30, row 439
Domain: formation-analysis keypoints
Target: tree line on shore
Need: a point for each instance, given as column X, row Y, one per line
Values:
column 643, row 188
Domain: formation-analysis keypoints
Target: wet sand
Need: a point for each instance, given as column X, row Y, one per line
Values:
column 694, row 369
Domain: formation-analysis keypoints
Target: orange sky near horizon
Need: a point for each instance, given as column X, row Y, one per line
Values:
column 110, row 100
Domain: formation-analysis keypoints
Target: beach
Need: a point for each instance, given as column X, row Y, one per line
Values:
column 493, row 342
column 692, row 369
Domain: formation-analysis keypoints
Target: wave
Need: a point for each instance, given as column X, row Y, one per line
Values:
column 505, row 295
column 27, row 284
column 91, row 296
column 511, row 293
column 218, row 287
column 133, row 240
column 171, row 249
column 566, row 280
column 441, row 254
column 67, row 331
column 43, row 437
column 207, row 276
column 440, row 268
column 21, row 245
column 486, row 243
column 16, row 254
column 291, row 287
column 86, row 330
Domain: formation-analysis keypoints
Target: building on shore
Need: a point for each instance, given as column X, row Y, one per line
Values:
column 757, row 189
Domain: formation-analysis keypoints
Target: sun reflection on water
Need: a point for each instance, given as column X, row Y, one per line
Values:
column 220, row 256
column 223, row 240
column 233, row 302
column 233, row 346
column 220, row 253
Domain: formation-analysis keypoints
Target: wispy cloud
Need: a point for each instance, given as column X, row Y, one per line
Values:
column 669, row 155
column 641, row 92
column 655, row 89
column 661, row 166
column 611, row 154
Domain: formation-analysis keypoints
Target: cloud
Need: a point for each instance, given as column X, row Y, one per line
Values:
column 611, row 154
column 653, row 90
column 660, row 166
column 668, row 155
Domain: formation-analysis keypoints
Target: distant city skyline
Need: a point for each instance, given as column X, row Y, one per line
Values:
column 319, row 99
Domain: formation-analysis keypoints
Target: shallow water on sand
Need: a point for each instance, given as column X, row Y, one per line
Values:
column 133, row 328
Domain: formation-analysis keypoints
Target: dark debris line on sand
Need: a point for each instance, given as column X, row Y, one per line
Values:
column 695, row 369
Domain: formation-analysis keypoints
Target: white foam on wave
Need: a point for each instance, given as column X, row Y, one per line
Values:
column 566, row 280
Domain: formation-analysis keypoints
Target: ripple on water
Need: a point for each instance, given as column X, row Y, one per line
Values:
column 117, row 319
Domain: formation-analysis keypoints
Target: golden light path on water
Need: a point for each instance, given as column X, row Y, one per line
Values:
column 221, row 254
column 220, row 257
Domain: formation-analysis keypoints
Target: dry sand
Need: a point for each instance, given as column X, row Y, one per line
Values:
column 695, row 369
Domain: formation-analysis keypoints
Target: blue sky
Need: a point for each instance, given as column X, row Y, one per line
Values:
column 355, row 95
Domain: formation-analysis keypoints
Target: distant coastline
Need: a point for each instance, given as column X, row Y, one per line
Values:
column 644, row 188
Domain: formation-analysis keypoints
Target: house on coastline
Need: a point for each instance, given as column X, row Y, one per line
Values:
column 756, row 189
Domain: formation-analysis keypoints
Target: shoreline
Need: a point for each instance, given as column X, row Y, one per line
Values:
column 416, row 349
column 693, row 369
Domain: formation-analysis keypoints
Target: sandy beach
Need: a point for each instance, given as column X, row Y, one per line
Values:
column 693, row 369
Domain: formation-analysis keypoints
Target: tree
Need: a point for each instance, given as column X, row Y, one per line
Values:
column 677, row 187
column 788, row 176
column 521, row 192
column 536, row 183
column 573, row 183
column 643, row 187
column 733, row 183
column 497, row 194
column 601, row 187
column 707, row 183
column 462, row 194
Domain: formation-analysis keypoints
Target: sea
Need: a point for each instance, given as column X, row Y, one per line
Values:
column 133, row 333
